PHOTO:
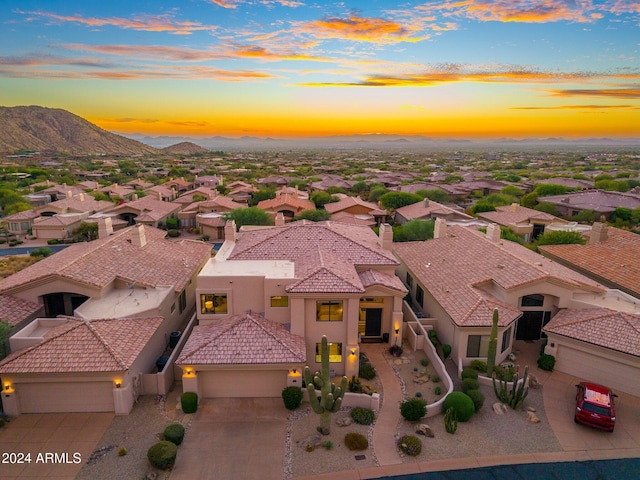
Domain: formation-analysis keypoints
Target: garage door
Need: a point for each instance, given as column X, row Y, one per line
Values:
column 262, row 383
column 65, row 397
column 593, row 368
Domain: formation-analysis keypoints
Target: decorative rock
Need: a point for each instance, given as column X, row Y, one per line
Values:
column 397, row 362
column 344, row 421
column 421, row 380
column 424, row 429
column 151, row 476
column 531, row 409
column 532, row 418
column 314, row 440
column 499, row 408
column 533, row 381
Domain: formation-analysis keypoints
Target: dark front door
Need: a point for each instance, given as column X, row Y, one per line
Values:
column 529, row 326
column 373, row 325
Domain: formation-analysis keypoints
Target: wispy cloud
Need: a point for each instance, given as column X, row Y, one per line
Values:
column 225, row 3
column 361, row 29
column 631, row 92
column 148, row 23
column 580, row 107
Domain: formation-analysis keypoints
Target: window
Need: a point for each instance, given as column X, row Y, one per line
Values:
column 182, row 301
column 279, row 301
column 335, row 352
column 173, row 307
column 409, row 281
column 419, row 296
column 215, row 303
column 535, row 300
column 478, row 346
column 329, row 311
column 506, row 339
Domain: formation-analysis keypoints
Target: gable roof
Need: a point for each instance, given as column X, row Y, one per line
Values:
column 286, row 200
column 454, row 269
column 348, row 202
column 600, row 201
column 148, row 205
column 429, row 209
column 599, row 326
column 14, row 310
column 370, row 278
column 246, row 338
column 320, row 271
column 100, row 262
column 78, row 345
column 517, row 214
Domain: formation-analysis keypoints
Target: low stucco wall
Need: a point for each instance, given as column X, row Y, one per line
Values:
column 352, row 400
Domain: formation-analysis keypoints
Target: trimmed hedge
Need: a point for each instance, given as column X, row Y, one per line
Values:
column 162, row 455
column 292, row 397
column 174, row 433
column 470, row 384
column 469, row 373
column 189, row 402
column 477, row 397
column 413, row 409
column 547, row 362
column 461, row 404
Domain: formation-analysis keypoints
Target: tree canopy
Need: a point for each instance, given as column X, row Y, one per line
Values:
column 395, row 200
column 249, row 216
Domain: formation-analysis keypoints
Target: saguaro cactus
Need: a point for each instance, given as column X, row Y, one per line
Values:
column 493, row 343
column 515, row 395
column 331, row 396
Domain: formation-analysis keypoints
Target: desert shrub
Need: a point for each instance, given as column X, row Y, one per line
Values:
column 479, row 365
column 173, row 233
column 189, row 402
column 366, row 371
column 470, row 384
column 363, row 416
column 41, row 252
column 435, row 379
column 437, row 390
column 328, row 445
column 499, row 371
column 461, row 404
column 356, row 441
column 174, row 433
column 433, row 337
column 469, row 373
column 419, row 394
column 410, row 445
column 424, row 362
column 546, row 362
column 477, row 397
column 446, row 350
column 53, row 241
column 162, row 455
column 413, row 409
column 354, row 385
column 172, row 223
column 292, row 397
column 122, row 452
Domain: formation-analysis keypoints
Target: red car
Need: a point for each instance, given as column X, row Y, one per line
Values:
column 595, row 406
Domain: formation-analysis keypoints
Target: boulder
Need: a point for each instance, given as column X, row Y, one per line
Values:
column 531, row 409
column 532, row 418
column 421, row 380
column 314, row 440
column 424, row 429
column 533, row 382
column 344, row 421
column 499, row 408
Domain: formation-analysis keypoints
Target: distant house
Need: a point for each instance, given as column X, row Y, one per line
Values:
column 209, row 181
column 20, row 223
column 289, row 205
column 601, row 202
column 147, row 210
column 358, row 208
column 207, row 215
column 241, row 192
column 429, row 210
column 568, row 182
column 117, row 191
column 523, row 221
column 180, row 185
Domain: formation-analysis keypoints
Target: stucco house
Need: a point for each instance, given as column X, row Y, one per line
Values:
column 130, row 274
column 523, row 221
column 311, row 279
column 20, row 223
column 358, row 208
column 289, row 205
column 146, row 210
column 429, row 210
column 601, row 202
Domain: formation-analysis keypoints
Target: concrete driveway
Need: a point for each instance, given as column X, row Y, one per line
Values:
column 234, row 438
column 68, row 438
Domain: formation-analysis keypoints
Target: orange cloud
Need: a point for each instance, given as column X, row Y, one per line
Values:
column 361, row 29
column 149, row 23
column 632, row 92
column 225, row 3
column 580, row 107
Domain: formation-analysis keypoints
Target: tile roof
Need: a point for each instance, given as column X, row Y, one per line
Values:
column 63, row 220
column 615, row 261
column 599, row 326
column 374, row 277
column 25, row 215
column 320, row 271
column 350, row 219
column 80, row 203
column 348, row 202
column 354, row 244
column 247, row 339
column 517, row 214
column 109, row 345
column 419, row 210
column 455, row 268
column 148, row 206
column 100, row 262
column 286, row 200
column 600, row 201
column 14, row 310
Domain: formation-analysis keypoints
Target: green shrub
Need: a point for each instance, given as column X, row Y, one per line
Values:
column 367, row 371
column 328, row 445
column 354, row 385
column 162, row 455
column 122, row 452
column 363, row 416
column 189, row 402
column 469, row 373
column 356, row 441
column 410, row 445
column 292, row 397
column 437, row 390
column 172, row 223
column 41, row 252
column 433, row 337
column 470, row 384
column 450, row 421
column 435, row 379
column 477, row 397
column 53, row 241
column 419, row 394
column 499, row 371
column 413, row 409
column 424, row 362
column 461, row 404
column 173, row 233
column 174, row 433
column 546, row 362
column 479, row 365
column 446, row 350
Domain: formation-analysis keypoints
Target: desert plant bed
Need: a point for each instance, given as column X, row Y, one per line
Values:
column 417, row 378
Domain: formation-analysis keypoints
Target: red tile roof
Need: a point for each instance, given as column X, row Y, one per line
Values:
column 320, row 271
column 374, row 277
column 14, row 310
column 247, row 339
column 517, row 214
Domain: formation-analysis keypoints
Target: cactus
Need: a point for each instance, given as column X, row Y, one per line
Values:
column 331, row 396
column 493, row 343
column 450, row 421
column 515, row 395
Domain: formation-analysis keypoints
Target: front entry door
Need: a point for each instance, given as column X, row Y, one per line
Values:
column 529, row 326
column 373, row 325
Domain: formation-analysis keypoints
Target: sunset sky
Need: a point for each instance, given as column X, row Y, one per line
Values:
column 287, row 68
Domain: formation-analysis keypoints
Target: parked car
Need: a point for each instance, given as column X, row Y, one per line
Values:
column 595, row 406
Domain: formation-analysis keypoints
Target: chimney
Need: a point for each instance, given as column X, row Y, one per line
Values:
column 385, row 238
column 230, row 231
column 158, row 194
column 138, row 238
column 425, row 202
column 68, row 194
column 279, row 219
column 493, row 232
column 598, row 233
column 440, row 228
column 134, row 197
column 105, row 228
column 515, row 207
column 81, row 197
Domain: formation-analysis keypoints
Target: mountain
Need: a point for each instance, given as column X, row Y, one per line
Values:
column 185, row 148
column 54, row 129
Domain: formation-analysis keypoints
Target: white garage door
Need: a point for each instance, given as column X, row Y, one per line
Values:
column 261, row 383
column 596, row 369
column 65, row 397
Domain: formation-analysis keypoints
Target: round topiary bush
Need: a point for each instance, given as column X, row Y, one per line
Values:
column 413, row 409
column 189, row 402
column 470, row 384
column 469, row 373
column 292, row 397
column 477, row 397
column 546, row 362
column 410, row 445
column 446, row 350
column 174, row 433
column 363, row 416
column 461, row 404
column 356, row 441
column 162, row 455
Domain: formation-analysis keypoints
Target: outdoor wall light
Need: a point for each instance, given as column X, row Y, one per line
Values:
column 353, row 351
column 294, row 371
column 397, row 331
column 118, row 383
column 188, row 371
column 7, row 386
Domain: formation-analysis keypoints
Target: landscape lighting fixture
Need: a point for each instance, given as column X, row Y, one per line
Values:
column 353, row 352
